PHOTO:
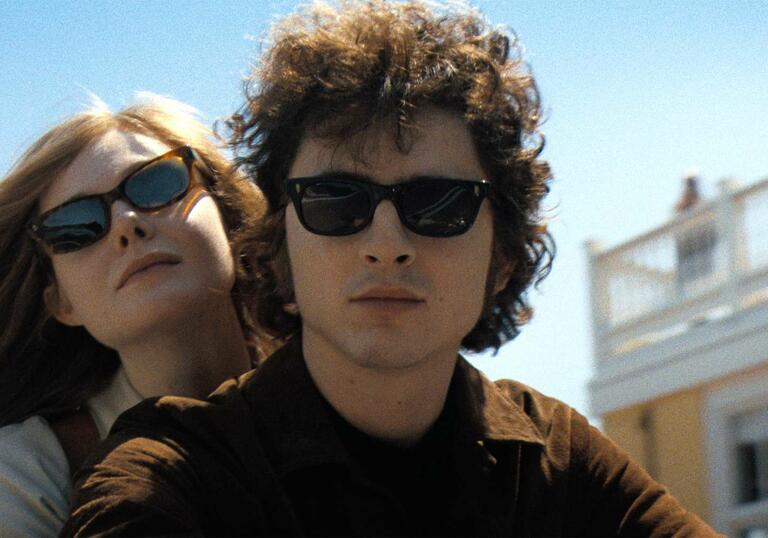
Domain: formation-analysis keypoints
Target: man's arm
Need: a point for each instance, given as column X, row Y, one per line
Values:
column 624, row 500
column 137, row 486
column 180, row 466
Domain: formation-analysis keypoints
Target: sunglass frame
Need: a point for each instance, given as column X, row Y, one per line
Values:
column 186, row 153
column 480, row 189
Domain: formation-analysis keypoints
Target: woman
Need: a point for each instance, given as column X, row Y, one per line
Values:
column 117, row 283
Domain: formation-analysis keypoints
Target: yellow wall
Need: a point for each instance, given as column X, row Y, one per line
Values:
column 670, row 447
column 623, row 427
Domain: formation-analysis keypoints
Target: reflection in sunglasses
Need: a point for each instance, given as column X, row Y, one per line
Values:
column 195, row 194
column 445, row 202
column 433, row 207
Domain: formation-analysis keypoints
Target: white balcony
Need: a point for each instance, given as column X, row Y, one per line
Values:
column 682, row 303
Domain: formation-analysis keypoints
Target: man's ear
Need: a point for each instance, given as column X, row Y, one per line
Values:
column 59, row 306
column 503, row 274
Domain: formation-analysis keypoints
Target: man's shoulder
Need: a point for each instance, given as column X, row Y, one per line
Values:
column 185, row 412
column 228, row 415
column 539, row 407
column 558, row 424
column 514, row 411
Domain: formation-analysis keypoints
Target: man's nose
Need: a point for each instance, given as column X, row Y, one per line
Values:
column 386, row 241
column 129, row 225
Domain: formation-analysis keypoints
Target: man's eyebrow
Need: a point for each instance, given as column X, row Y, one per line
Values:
column 343, row 174
column 428, row 177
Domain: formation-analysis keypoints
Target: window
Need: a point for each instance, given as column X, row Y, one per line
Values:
column 754, row 532
column 751, row 436
column 736, row 419
column 695, row 249
column 695, row 253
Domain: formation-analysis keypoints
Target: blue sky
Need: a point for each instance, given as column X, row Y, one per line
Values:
column 636, row 94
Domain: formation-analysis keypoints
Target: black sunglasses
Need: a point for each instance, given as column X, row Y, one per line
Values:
column 83, row 221
column 435, row 207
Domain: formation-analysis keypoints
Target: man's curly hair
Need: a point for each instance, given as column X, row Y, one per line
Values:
column 338, row 69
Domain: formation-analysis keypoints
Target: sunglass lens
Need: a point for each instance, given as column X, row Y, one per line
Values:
column 439, row 208
column 74, row 225
column 334, row 208
column 159, row 184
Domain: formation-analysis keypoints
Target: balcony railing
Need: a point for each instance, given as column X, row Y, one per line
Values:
column 706, row 263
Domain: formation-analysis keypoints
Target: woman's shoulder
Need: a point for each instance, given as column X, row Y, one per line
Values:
column 34, row 479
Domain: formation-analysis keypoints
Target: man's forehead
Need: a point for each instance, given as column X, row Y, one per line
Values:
column 363, row 148
column 435, row 142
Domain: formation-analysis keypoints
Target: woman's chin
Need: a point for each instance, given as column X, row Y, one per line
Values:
column 178, row 316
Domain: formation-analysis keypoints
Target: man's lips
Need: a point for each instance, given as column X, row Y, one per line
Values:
column 146, row 262
column 388, row 295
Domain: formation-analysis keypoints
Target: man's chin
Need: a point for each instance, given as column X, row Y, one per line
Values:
column 385, row 354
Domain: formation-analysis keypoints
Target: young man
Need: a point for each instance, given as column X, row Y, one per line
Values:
column 397, row 145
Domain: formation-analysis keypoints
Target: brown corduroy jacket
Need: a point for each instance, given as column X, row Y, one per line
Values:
column 261, row 457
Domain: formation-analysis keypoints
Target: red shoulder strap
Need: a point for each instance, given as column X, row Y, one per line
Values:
column 78, row 437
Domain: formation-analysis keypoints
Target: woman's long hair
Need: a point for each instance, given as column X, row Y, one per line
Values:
column 47, row 368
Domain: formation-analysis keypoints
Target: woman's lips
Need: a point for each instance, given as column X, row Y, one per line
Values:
column 148, row 269
column 147, row 264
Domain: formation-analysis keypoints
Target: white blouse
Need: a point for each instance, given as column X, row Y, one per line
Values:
column 35, row 487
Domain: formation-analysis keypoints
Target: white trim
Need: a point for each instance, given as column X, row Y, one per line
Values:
column 723, row 404
column 700, row 355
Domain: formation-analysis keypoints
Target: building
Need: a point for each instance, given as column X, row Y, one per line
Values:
column 680, row 326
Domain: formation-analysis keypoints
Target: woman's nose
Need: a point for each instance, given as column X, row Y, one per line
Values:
column 129, row 225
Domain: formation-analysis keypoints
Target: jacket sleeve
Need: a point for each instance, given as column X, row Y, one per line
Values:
column 34, row 480
column 623, row 499
column 135, row 486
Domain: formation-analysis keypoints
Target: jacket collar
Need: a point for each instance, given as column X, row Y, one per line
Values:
column 293, row 420
column 498, row 417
